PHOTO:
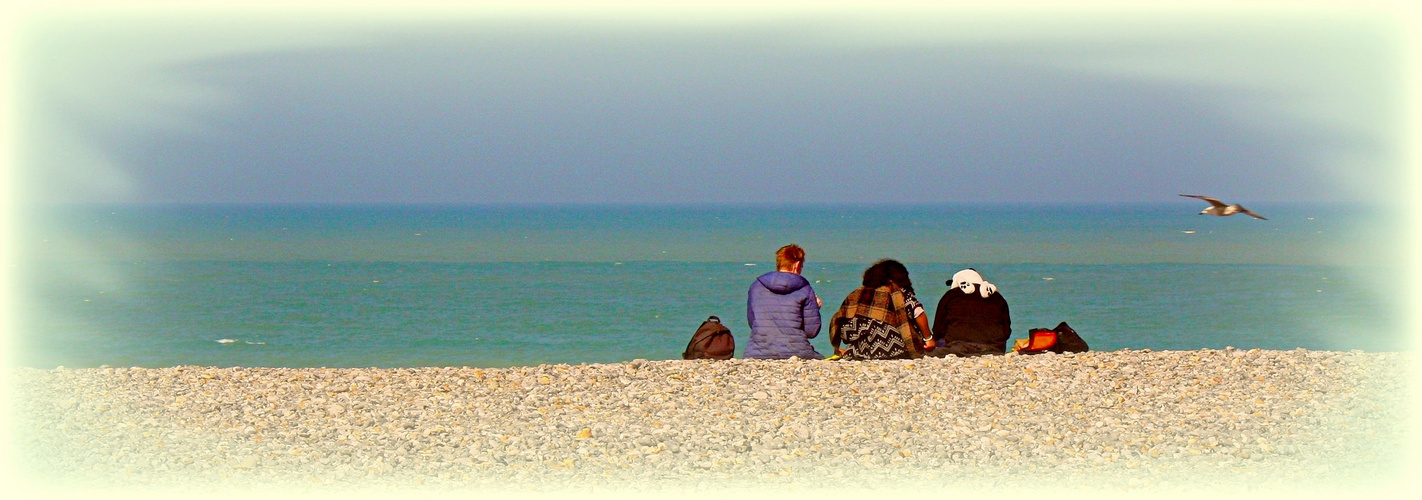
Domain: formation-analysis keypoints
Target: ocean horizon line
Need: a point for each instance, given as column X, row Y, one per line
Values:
column 690, row 204
column 767, row 263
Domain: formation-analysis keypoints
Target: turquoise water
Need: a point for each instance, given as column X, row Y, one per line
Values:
column 397, row 286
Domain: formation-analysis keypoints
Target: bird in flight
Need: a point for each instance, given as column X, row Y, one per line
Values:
column 1219, row 208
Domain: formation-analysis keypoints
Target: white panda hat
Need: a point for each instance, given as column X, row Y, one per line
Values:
column 970, row 281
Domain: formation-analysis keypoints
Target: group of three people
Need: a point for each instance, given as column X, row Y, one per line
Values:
column 882, row 319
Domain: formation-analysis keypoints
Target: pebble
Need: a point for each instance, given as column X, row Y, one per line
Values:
column 1232, row 419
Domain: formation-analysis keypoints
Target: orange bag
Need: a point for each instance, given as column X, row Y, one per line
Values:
column 1038, row 340
column 1060, row 340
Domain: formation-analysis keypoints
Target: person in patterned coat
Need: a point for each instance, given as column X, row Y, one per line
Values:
column 880, row 319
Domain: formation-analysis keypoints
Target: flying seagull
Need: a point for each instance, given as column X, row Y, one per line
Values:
column 1218, row 208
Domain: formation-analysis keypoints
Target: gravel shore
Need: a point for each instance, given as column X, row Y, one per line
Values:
column 1184, row 421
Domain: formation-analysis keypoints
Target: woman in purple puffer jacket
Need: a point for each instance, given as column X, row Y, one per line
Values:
column 783, row 311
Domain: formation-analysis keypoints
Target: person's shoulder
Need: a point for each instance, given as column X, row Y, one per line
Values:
column 758, row 282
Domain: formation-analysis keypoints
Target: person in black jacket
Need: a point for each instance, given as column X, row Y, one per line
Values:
column 972, row 318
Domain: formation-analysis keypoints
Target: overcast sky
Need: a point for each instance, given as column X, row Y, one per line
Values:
column 846, row 105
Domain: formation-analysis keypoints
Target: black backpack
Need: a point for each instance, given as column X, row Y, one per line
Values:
column 1068, row 340
column 711, row 341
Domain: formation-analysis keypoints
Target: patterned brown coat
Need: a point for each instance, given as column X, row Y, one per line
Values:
column 873, row 323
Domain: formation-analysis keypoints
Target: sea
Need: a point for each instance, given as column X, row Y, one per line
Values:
column 511, row 285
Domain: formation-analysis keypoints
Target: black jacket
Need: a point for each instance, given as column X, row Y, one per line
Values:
column 972, row 318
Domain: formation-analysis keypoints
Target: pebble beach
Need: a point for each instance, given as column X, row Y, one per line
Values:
column 1227, row 421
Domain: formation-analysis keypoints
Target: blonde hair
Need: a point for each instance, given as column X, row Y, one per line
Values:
column 788, row 255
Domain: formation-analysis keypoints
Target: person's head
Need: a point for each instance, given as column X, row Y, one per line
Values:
column 887, row 271
column 790, row 258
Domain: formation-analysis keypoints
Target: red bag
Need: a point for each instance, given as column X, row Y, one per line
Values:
column 1039, row 340
column 1058, row 340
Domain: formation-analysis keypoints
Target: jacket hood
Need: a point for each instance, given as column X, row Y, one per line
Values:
column 782, row 282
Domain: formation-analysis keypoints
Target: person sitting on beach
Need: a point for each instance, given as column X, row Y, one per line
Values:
column 972, row 318
column 783, row 310
column 877, row 320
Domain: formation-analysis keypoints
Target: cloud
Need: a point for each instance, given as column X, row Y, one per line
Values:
column 86, row 78
column 956, row 106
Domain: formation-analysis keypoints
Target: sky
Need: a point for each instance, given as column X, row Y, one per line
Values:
column 855, row 103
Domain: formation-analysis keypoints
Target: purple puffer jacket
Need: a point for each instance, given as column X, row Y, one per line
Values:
column 783, row 316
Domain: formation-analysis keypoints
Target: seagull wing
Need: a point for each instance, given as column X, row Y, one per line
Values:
column 1213, row 201
column 1246, row 211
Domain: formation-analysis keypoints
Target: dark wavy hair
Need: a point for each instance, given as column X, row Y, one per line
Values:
column 884, row 271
